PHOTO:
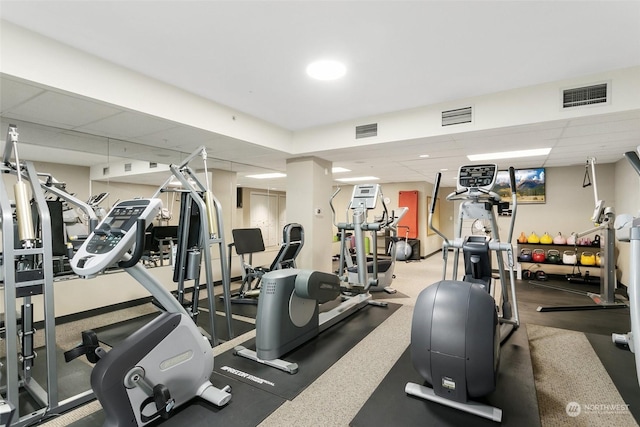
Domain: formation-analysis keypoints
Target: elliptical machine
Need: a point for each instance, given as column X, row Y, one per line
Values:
column 165, row 363
column 289, row 302
column 456, row 329
column 375, row 275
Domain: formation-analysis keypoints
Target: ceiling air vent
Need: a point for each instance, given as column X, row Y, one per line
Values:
column 153, row 165
column 366, row 131
column 105, row 171
column 456, row 117
column 587, row 95
column 127, row 167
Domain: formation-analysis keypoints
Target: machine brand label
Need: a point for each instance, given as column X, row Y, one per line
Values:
column 176, row 360
column 448, row 383
column 250, row 377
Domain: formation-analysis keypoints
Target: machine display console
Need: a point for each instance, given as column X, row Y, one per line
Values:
column 113, row 236
column 365, row 195
column 477, row 176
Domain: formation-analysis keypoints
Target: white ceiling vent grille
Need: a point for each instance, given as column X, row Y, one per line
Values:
column 367, row 131
column 457, row 116
column 596, row 94
column 153, row 165
column 127, row 167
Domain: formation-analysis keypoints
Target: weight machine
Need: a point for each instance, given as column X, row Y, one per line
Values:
column 628, row 230
column 201, row 225
column 603, row 219
column 27, row 272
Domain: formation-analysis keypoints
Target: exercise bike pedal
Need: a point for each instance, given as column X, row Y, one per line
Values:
column 164, row 403
column 89, row 347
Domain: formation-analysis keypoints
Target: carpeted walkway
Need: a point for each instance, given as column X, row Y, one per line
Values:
column 573, row 387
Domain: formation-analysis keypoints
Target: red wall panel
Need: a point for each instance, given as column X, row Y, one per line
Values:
column 409, row 199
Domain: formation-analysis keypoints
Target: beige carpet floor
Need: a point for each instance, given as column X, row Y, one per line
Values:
column 572, row 385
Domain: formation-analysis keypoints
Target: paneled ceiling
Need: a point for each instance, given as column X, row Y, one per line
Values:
column 251, row 55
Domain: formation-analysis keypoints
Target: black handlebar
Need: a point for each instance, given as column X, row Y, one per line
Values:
column 632, row 156
column 512, row 179
column 436, row 187
column 137, row 253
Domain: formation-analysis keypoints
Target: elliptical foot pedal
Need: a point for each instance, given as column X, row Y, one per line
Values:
column 378, row 303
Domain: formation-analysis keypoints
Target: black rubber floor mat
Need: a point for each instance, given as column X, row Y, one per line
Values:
column 313, row 357
column 515, row 395
column 247, row 408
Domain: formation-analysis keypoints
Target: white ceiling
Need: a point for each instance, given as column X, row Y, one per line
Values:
column 251, row 55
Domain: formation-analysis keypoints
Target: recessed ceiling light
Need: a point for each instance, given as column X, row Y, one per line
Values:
column 326, row 70
column 338, row 169
column 510, row 154
column 358, row 178
column 268, row 175
column 423, row 156
column 444, row 170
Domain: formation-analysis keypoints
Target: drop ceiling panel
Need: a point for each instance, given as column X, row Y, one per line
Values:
column 14, row 93
column 185, row 137
column 62, row 111
column 127, row 125
column 605, row 128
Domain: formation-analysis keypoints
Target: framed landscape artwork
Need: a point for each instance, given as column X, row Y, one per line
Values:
column 530, row 185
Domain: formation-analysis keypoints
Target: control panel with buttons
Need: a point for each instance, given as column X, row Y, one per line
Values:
column 114, row 236
column 477, row 176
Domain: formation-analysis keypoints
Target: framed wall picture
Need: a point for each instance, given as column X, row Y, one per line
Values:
column 530, row 185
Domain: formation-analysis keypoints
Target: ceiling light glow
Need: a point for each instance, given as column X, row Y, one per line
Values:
column 509, row 154
column 358, row 178
column 326, row 70
column 338, row 169
column 268, row 175
column 423, row 156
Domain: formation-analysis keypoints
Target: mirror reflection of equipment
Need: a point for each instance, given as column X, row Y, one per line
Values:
column 27, row 272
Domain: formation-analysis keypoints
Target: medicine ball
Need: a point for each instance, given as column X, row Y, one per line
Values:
column 403, row 251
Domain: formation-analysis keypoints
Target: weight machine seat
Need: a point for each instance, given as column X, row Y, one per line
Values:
column 292, row 242
column 248, row 241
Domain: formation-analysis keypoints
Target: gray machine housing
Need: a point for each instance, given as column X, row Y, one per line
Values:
column 165, row 353
column 288, row 312
column 455, row 339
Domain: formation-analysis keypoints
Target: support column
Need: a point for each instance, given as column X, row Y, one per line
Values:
column 309, row 181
